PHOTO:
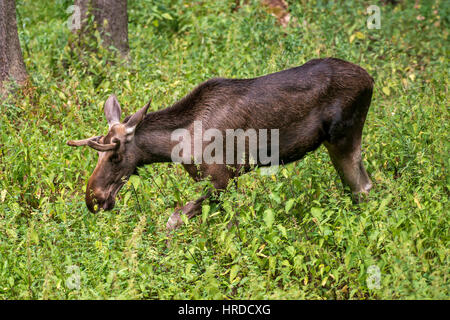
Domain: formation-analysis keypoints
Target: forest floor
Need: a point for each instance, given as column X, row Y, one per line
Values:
column 298, row 233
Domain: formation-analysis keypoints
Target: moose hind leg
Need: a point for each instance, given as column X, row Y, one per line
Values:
column 344, row 143
column 346, row 158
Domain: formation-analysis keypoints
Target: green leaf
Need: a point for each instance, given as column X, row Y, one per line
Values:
column 127, row 84
column 34, row 237
column 234, row 271
column 289, row 205
column 61, row 95
column 359, row 35
column 272, row 264
column 385, row 202
column 135, row 181
column 205, row 212
column 269, row 217
column 184, row 218
column 282, row 230
column 317, row 213
column 275, row 197
column 126, row 197
column 167, row 16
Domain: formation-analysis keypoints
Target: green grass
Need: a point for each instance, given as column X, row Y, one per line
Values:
column 299, row 235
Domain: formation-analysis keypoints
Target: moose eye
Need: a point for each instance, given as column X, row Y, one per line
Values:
column 115, row 158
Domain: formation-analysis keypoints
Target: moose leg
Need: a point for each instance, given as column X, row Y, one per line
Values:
column 346, row 157
column 191, row 209
column 348, row 164
column 344, row 145
column 220, row 176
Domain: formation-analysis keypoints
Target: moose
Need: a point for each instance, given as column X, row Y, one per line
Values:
column 324, row 101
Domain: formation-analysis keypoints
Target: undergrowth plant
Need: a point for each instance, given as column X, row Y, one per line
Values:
column 293, row 235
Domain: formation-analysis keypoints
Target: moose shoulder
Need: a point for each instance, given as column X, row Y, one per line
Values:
column 285, row 114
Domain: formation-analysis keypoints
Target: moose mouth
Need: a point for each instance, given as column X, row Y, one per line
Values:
column 109, row 204
column 95, row 204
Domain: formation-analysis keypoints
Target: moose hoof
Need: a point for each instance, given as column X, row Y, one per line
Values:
column 174, row 221
column 360, row 197
column 190, row 209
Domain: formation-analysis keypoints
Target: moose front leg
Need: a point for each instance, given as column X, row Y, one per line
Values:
column 219, row 174
column 191, row 209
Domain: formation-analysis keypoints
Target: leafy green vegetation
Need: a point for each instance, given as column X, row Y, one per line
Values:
column 292, row 235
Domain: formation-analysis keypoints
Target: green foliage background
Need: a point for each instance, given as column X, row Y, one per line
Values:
column 299, row 235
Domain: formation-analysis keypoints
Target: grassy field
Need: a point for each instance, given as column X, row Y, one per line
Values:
column 298, row 234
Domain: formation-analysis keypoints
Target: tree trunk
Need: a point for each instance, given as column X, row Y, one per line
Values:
column 111, row 19
column 12, row 66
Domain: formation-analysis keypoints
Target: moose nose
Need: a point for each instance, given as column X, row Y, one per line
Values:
column 94, row 205
column 95, row 200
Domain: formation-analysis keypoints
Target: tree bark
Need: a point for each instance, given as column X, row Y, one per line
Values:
column 12, row 66
column 111, row 19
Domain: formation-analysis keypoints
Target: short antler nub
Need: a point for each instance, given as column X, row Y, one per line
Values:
column 93, row 143
column 104, row 147
column 84, row 142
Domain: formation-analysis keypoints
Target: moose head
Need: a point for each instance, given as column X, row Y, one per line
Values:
column 117, row 156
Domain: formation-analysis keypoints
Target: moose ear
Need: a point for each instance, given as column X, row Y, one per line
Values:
column 112, row 110
column 136, row 118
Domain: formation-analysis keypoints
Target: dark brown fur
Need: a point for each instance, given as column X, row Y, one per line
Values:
column 323, row 101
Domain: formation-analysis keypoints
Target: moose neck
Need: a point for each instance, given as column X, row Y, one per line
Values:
column 153, row 135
